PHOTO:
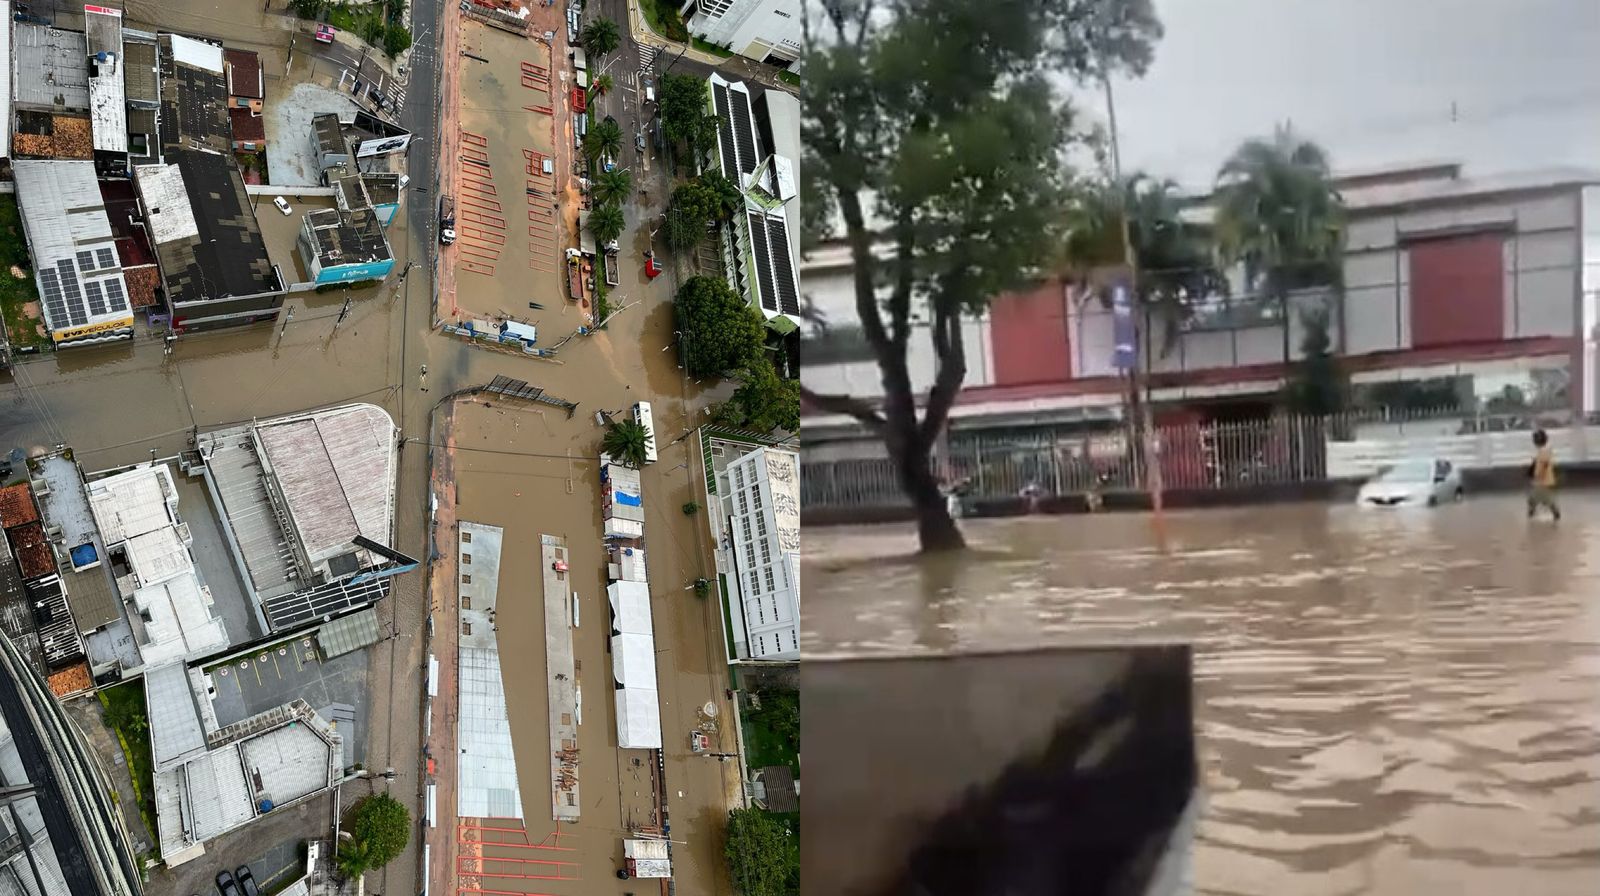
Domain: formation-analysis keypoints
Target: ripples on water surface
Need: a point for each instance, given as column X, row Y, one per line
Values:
column 1386, row 703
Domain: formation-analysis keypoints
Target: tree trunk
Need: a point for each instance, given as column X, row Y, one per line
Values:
column 935, row 529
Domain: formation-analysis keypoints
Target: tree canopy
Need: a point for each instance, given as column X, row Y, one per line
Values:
column 937, row 131
column 600, row 37
column 604, row 139
column 380, row 827
column 625, row 442
column 1280, row 216
column 684, row 102
column 761, row 853
column 1318, row 386
column 606, row 223
column 695, row 204
column 720, row 332
column 764, row 400
column 601, row 85
column 613, row 186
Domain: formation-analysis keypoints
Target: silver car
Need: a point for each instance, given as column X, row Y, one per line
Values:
column 1414, row 482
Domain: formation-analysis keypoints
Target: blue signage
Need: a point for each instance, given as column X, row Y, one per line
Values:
column 1124, row 335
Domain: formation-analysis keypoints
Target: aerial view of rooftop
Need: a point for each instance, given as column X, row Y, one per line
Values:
column 300, row 402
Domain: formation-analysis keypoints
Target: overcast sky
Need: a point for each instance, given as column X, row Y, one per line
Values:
column 1373, row 81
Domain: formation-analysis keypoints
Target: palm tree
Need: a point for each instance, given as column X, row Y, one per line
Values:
column 625, row 442
column 606, row 224
column 1175, row 269
column 602, row 85
column 604, row 139
column 611, row 187
column 1279, row 215
column 600, row 37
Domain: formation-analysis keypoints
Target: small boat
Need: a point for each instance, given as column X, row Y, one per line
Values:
column 536, row 306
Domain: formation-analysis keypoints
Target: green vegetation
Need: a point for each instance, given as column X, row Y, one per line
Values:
column 772, row 733
column 665, row 20
column 625, row 441
column 695, row 205
column 790, row 78
column 604, row 139
column 975, row 166
column 764, row 400
column 1317, row 387
column 126, row 716
column 706, row 46
column 685, row 105
column 16, row 292
column 601, row 85
column 612, row 186
column 763, row 855
column 691, row 508
column 379, row 827
column 719, row 331
column 379, row 24
column 396, row 40
column 702, row 588
column 600, row 37
column 308, row 9
column 606, row 223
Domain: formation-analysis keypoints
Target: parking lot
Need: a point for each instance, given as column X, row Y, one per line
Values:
column 272, row 847
column 272, row 676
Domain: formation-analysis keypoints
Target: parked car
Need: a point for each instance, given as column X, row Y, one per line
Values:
column 1414, row 482
column 226, row 885
column 324, row 34
column 283, row 205
column 247, row 881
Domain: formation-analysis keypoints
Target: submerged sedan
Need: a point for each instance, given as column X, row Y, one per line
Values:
column 1416, row 482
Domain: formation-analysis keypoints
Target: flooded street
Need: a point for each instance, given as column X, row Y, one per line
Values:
column 1385, row 703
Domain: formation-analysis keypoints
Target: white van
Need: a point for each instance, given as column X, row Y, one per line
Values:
column 641, row 416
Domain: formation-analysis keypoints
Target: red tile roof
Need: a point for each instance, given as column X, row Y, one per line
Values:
column 33, row 552
column 16, row 506
column 248, row 127
column 142, row 283
column 244, row 73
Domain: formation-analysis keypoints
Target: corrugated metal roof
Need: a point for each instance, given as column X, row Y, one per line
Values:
column 175, row 729
column 336, row 472
column 347, row 634
column 107, row 103
column 74, row 249
column 51, row 67
column 6, row 69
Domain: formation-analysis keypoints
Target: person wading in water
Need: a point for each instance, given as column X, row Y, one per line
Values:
column 1542, row 477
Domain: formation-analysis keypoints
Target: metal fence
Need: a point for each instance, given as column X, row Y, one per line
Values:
column 1193, row 455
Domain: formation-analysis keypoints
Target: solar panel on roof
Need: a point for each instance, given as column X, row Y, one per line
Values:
column 116, row 300
column 86, row 260
column 77, row 314
column 55, row 306
column 758, row 242
column 783, row 267
column 97, row 299
column 743, row 134
column 730, row 160
column 108, row 259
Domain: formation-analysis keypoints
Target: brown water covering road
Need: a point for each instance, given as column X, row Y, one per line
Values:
column 1385, row 703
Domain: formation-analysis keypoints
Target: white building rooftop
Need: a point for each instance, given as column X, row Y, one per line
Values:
column 74, row 251
column 132, row 503
column 50, row 69
column 175, row 729
column 108, row 111
column 158, row 556
column 175, row 621
column 486, row 772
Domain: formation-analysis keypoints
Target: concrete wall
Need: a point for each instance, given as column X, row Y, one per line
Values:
column 1478, row 451
column 349, row 273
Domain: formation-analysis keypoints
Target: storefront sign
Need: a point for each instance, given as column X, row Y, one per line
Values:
column 1125, row 351
column 91, row 329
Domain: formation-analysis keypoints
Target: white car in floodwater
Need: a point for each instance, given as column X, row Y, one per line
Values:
column 1414, row 482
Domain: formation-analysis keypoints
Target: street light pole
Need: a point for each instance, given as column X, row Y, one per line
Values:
column 1137, row 410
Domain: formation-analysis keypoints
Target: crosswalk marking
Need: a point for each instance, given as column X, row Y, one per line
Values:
column 647, row 56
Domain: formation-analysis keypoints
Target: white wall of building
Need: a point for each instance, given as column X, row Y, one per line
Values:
column 755, row 29
column 761, row 502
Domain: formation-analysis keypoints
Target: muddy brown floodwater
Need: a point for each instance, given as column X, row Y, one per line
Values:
column 1385, row 703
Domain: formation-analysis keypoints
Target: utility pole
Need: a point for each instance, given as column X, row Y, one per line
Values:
column 342, row 312
column 1138, row 412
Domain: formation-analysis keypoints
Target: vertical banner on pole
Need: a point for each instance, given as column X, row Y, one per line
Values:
column 1124, row 335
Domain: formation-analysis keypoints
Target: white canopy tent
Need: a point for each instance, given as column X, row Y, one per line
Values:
column 638, row 719
column 630, row 608
column 633, row 661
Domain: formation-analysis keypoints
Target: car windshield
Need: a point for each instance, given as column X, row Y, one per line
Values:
column 1410, row 471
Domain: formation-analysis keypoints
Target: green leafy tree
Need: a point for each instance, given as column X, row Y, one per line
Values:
column 396, row 40
column 625, row 442
column 308, row 9
column 682, row 229
column 722, row 195
column 612, row 187
column 719, row 331
column 395, row 11
column 372, row 30
column 684, row 102
column 1318, row 386
column 601, row 85
column 606, row 223
column 600, row 37
column 760, row 852
column 126, row 718
column 763, row 402
column 379, row 828
column 1280, row 216
column 945, row 167
column 604, row 139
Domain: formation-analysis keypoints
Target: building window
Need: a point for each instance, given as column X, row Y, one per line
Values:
column 466, row 559
column 770, row 585
column 761, row 525
column 755, row 583
column 466, row 578
column 466, row 538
